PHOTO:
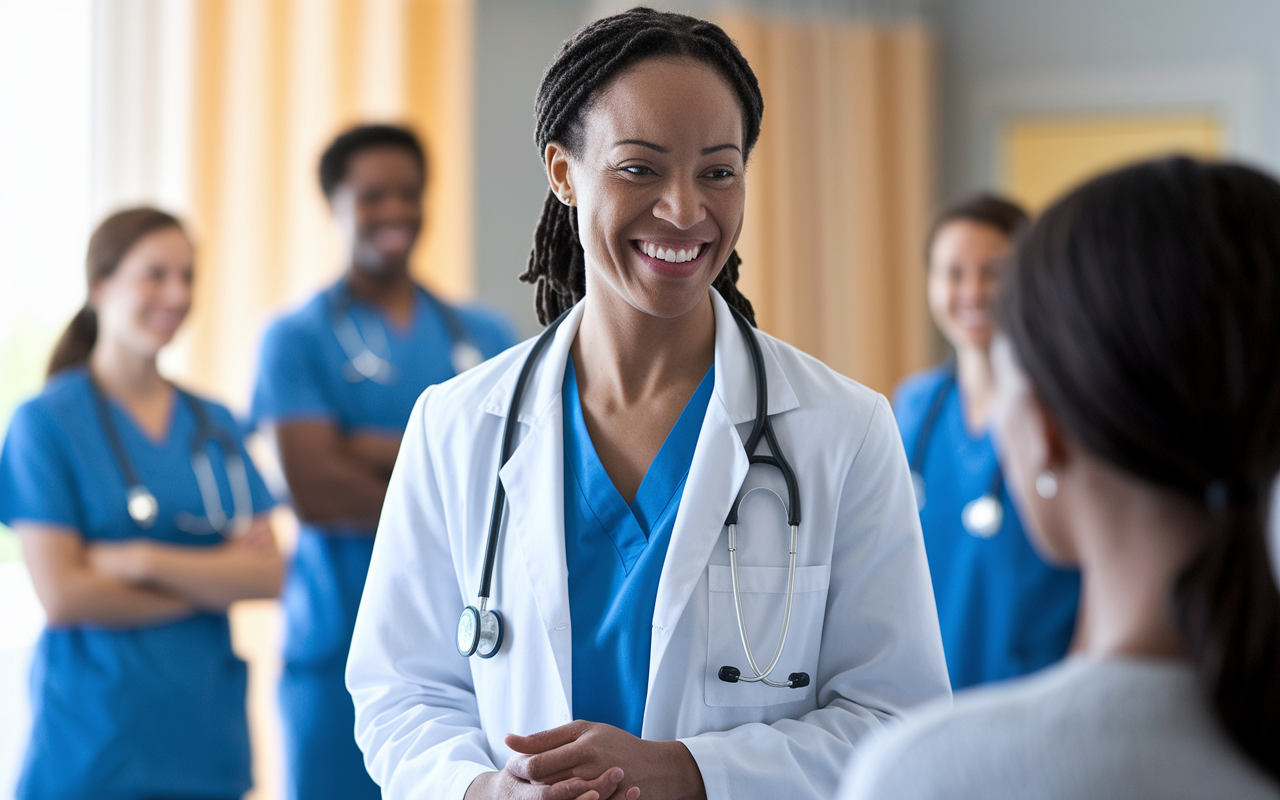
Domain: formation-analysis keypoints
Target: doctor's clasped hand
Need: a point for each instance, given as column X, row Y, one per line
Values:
column 562, row 757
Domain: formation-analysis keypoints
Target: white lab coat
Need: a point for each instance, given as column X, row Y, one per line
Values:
column 863, row 623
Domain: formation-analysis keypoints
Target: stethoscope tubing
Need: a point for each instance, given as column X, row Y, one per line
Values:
column 364, row 360
column 504, row 454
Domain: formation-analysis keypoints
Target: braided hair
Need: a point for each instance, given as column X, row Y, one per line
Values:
column 585, row 65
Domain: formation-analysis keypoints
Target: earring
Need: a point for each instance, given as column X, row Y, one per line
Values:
column 567, row 200
column 1047, row 484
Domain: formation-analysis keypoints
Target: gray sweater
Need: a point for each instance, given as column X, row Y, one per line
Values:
column 1087, row 728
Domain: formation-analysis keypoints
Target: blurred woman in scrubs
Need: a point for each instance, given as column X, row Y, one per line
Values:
column 1003, row 611
column 119, row 484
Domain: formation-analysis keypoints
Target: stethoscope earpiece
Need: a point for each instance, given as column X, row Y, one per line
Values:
column 796, row 680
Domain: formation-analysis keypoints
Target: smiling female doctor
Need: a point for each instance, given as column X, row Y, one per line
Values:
column 629, row 445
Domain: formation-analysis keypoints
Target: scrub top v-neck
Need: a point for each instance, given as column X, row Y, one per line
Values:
column 615, row 554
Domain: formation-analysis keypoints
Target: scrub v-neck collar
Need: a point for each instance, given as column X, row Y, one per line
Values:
column 631, row 525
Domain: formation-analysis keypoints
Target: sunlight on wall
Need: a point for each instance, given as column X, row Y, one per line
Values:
column 44, row 221
column 1046, row 156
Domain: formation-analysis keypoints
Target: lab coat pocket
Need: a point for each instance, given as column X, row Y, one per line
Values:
column 764, row 601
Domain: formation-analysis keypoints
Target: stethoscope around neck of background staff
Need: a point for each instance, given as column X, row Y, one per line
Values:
column 480, row 628
column 143, row 507
column 981, row 517
column 364, row 363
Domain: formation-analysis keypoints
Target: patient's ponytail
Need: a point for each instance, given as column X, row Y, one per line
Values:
column 112, row 239
column 1144, row 308
column 1228, row 611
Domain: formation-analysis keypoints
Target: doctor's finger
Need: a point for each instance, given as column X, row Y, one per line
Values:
column 550, row 739
column 565, row 762
column 578, row 789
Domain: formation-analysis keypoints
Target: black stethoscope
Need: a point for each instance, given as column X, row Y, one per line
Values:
column 480, row 628
column 143, row 507
column 981, row 517
column 370, row 362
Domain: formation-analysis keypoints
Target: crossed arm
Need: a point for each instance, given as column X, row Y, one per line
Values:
column 142, row 582
column 335, row 477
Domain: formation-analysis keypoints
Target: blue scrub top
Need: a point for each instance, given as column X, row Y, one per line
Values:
column 301, row 378
column 615, row 554
column 1003, row 611
column 155, row 711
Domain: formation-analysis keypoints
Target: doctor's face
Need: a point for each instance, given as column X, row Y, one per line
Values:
column 142, row 303
column 966, row 259
column 378, row 208
column 658, row 182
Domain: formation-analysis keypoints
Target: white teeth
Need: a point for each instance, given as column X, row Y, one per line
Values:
column 671, row 255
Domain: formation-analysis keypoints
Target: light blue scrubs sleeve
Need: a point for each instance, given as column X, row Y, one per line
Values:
column 36, row 482
column 290, row 376
column 262, row 497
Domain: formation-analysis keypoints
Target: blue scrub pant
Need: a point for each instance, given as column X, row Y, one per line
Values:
column 322, row 761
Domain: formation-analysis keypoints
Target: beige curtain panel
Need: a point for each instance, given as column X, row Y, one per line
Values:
column 840, row 192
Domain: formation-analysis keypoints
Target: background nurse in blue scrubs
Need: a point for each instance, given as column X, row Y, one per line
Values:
column 337, row 381
column 141, row 519
column 1003, row 611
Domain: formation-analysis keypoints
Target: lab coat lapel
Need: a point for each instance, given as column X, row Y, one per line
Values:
column 716, row 473
column 534, row 482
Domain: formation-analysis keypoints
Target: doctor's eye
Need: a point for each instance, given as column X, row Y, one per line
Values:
column 720, row 174
column 637, row 169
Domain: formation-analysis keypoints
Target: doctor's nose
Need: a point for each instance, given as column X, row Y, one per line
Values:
column 681, row 205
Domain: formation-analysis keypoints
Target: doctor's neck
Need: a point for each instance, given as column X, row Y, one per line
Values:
column 976, row 384
column 637, row 354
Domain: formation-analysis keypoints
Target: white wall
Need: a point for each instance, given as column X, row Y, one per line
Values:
column 1002, row 57
column 515, row 40
column 44, row 219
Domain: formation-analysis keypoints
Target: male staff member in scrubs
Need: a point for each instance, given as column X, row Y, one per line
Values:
column 1004, row 612
column 338, row 378
column 622, row 671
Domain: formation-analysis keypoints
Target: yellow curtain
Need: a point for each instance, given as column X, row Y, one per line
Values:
column 839, row 191
column 274, row 81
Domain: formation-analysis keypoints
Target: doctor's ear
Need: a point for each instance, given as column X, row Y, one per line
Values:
column 557, row 163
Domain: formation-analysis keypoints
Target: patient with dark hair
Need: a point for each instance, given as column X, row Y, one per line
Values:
column 1137, row 412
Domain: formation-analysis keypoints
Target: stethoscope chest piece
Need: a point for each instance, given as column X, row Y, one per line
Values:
column 479, row 632
column 983, row 517
column 143, row 507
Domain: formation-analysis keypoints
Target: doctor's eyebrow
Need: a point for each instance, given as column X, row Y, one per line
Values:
column 706, row 151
